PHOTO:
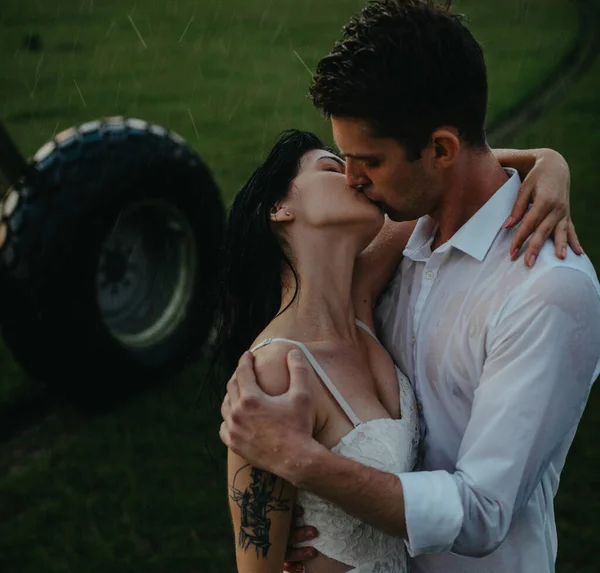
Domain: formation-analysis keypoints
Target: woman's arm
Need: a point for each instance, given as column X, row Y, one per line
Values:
column 261, row 503
column 376, row 264
column 521, row 160
column 261, row 511
column 546, row 183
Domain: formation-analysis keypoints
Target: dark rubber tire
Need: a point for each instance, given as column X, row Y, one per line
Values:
column 54, row 228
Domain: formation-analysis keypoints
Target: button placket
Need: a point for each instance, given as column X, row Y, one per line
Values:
column 427, row 281
column 430, row 272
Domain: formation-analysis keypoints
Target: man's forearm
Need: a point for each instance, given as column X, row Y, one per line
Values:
column 371, row 495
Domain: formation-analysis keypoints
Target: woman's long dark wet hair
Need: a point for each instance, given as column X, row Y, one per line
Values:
column 253, row 256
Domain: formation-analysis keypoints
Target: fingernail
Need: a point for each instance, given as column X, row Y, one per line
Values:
column 513, row 254
column 295, row 354
column 563, row 253
column 311, row 533
column 531, row 261
column 508, row 223
column 580, row 249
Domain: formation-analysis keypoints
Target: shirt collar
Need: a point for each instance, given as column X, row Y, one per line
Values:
column 476, row 236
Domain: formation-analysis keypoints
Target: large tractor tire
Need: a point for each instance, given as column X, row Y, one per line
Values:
column 108, row 256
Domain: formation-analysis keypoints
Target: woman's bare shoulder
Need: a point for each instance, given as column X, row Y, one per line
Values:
column 270, row 365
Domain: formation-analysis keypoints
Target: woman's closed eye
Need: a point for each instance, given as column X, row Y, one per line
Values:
column 332, row 165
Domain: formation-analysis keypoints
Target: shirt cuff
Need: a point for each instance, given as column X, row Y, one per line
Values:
column 433, row 511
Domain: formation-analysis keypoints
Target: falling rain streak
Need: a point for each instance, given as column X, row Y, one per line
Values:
column 186, row 29
column 79, row 92
column 137, row 32
column 194, row 124
column 303, row 63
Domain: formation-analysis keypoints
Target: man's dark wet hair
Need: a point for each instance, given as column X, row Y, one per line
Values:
column 407, row 67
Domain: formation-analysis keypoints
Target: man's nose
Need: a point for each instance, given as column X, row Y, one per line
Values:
column 356, row 176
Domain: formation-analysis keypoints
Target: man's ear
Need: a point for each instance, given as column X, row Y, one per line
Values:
column 281, row 214
column 446, row 146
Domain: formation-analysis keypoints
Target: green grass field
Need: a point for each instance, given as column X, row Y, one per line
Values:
column 226, row 74
column 136, row 490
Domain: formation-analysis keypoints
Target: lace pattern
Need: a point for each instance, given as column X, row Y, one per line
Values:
column 385, row 444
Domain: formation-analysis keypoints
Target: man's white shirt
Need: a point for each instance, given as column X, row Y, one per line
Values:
column 502, row 359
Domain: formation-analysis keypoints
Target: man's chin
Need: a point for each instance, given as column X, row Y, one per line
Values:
column 397, row 216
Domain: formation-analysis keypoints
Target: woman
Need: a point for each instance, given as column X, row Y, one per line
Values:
column 297, row 276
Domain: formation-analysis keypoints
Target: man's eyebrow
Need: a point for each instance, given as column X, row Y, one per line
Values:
column 333, row 158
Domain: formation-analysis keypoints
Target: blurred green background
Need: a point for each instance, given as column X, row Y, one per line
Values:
column 142, row 489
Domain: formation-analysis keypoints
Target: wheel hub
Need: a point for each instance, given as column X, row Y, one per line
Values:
column 146, row 273
column 114, row 266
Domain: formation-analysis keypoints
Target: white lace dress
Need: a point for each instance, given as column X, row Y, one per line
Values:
column 386, row 444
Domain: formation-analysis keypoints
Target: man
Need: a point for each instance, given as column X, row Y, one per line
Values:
column 501, row 356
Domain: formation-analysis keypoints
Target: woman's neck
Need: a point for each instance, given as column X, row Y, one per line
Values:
column 323, row 307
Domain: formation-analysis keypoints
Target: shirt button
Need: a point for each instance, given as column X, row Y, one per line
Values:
column 429, row 274
column 413, row 340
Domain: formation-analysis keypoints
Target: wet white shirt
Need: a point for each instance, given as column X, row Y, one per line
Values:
column 502, row 359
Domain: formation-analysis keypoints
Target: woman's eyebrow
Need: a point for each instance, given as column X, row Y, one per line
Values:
column 362, row 156
column 333, row 158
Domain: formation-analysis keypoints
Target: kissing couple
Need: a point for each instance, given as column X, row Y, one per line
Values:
column 404, row 383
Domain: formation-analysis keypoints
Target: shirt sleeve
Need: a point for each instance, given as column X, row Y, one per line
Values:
column 543, row 354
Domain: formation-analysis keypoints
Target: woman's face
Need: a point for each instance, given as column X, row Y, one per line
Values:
column 320, row 197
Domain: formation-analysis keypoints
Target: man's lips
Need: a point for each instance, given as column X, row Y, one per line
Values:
column 378, row 204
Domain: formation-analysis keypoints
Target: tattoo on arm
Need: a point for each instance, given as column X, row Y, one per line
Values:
column 262, row 496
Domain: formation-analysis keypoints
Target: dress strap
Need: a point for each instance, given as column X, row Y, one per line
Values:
column 356, row 421
column 362, row 325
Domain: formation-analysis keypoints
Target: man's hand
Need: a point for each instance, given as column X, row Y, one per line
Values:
column 547, row 186
column 268, row 431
